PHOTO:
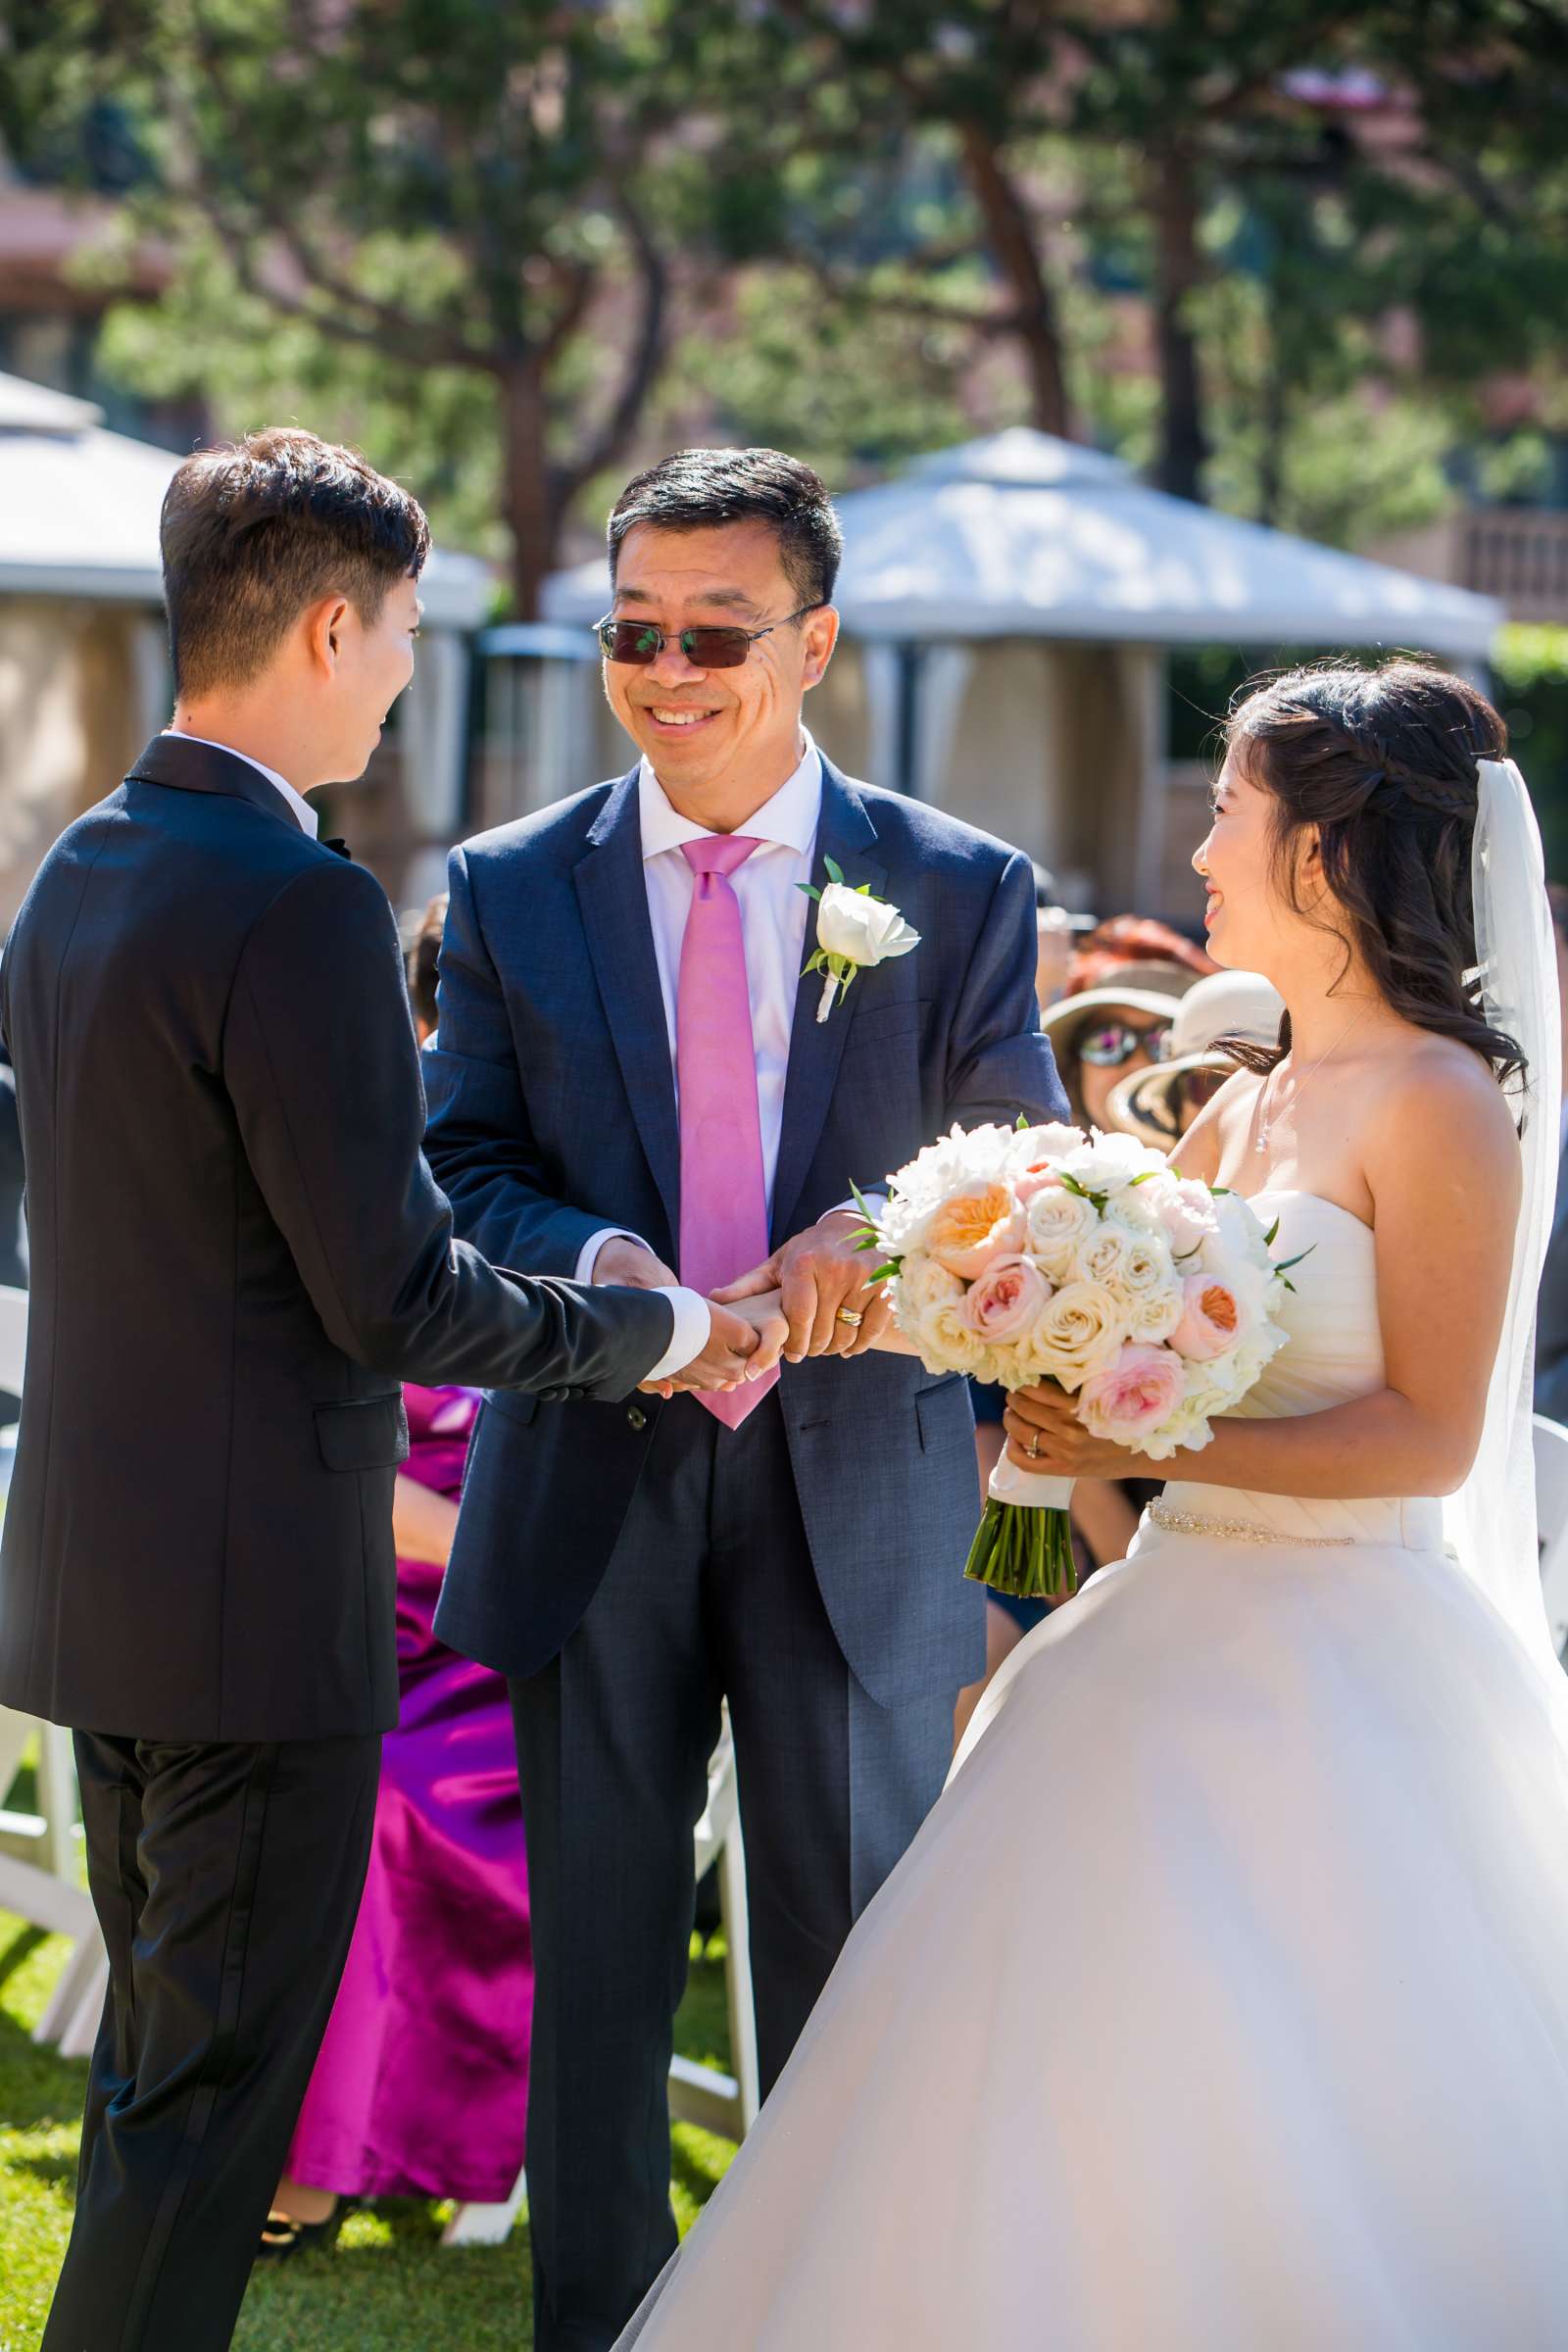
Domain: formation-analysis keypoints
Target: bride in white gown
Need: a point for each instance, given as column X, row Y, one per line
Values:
column 1222, row 2001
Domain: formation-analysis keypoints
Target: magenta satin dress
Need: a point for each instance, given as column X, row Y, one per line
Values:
column 421, row 2088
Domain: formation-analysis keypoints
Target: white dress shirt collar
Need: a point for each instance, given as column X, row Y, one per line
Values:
column 309, row 821
column 789, row 818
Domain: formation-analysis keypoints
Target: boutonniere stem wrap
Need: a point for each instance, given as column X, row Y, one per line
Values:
column 853, row 931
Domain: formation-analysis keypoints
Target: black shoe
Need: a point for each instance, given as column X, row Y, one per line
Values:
column 282, row 2236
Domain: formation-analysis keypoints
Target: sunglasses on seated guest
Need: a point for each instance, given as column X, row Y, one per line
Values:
column 1109, row 1044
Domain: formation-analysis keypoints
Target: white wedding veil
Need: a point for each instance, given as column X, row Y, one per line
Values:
column 1490, row 1524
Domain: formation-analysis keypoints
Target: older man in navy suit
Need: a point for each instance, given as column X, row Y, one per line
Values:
column 626, row 1076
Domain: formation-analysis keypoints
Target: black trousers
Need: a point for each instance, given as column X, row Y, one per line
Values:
column 711, row 1592
column 226, row 1880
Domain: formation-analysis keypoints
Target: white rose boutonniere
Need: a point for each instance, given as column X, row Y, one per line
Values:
column 854, row 930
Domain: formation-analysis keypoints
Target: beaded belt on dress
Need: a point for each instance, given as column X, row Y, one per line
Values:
column 1236, row 1531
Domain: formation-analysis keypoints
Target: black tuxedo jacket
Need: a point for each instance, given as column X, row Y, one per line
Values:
column 238, row 1251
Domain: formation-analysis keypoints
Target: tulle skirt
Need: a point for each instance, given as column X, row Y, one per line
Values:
column 1221, row 2006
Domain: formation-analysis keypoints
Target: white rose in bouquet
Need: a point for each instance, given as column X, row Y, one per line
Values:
column 1107, row 1164
column 918, row 1289
column 1055, row 1224
column 1155, row 1314
column 1078, row 1333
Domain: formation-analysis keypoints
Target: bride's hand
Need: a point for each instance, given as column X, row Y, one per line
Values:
column 766, row 1314
column 1046, row 1435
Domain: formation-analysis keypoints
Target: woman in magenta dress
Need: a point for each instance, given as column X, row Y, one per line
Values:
column 421, row 2085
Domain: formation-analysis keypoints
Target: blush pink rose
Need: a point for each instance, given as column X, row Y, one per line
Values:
column 1007, row 1302
column 1187, row 1215
column 1034, row 1179
column 1213, row 1319
column 1137, row 1392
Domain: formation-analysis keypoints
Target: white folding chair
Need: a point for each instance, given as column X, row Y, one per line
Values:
column 1552, row 1522
column 13, row 1337
column 697, row 2095
column 701, row 2094
column 46, row 1889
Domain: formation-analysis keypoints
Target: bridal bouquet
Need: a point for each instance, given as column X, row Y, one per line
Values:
column 1036, row 1254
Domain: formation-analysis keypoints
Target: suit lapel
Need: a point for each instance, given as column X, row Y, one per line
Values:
column 613, row 900
column 844, row 833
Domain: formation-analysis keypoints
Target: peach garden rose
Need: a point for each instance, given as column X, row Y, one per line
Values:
column 975, row 1224
column 1213, row 1319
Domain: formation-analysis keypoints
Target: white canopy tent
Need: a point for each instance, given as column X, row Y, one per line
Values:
column 83, row 661
column 1007, row 606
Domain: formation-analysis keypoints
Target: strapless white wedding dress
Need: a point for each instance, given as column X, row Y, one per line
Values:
column 1221, row 2004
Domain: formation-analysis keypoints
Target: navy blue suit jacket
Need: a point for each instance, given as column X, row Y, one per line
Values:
column 553, row 1114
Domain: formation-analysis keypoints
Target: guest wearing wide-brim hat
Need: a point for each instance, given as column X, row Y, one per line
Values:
column 1113, row 1029
column 1159, row 1104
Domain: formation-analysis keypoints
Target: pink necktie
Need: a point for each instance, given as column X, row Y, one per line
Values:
column 723, row 1191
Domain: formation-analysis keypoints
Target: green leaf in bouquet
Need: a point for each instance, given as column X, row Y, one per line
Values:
column 1269, row 1237
column 1020, row 1125
column 1286, row 1264
column 810, row 890
column 835, row 871
column 884, row 1273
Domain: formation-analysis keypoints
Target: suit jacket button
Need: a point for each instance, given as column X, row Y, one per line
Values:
column 636, row 1416
column 551, row 1396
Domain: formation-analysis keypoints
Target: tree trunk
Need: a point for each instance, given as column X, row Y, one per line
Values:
column 1276, row 418
column 1010, row 237
column 530, row 507
column 1178, row 270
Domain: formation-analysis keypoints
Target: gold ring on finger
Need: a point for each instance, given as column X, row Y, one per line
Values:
column 1032, row 1449
column 848, row 1315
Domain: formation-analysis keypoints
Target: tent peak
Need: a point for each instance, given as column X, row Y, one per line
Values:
column 28, row 408
column 1021, row 459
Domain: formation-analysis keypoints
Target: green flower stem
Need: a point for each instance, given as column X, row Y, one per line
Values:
column 1024, row 1553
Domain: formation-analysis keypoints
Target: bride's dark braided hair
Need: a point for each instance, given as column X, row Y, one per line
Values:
column 1382, row 763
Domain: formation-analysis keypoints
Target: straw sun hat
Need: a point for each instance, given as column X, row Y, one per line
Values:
column 1149, row 986
column 1148, row 1103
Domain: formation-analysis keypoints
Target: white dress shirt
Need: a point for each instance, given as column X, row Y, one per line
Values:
column 310, row 822
column 689, row 1309
column 773, row 915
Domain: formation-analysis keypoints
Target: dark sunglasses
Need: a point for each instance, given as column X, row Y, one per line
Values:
column 1107, row 1044
column 639, row 642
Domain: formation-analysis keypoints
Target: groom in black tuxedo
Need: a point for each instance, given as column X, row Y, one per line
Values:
column 237, row 1252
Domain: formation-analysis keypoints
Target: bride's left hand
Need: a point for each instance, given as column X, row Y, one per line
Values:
column 1045, row 1436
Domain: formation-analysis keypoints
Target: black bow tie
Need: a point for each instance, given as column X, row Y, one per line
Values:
column 339, row 847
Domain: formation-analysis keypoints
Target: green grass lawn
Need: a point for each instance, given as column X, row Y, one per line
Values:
column 387, row 2284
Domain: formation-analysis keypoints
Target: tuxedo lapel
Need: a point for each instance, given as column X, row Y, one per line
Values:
column 846, row 834
column 613, row 896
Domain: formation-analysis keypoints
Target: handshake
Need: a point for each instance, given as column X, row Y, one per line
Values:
column 810, row 1298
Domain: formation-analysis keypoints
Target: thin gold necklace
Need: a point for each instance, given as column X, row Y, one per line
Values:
column 1265, row 1123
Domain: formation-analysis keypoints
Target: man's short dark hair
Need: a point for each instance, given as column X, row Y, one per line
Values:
column 696, row 488
column 254, row 531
